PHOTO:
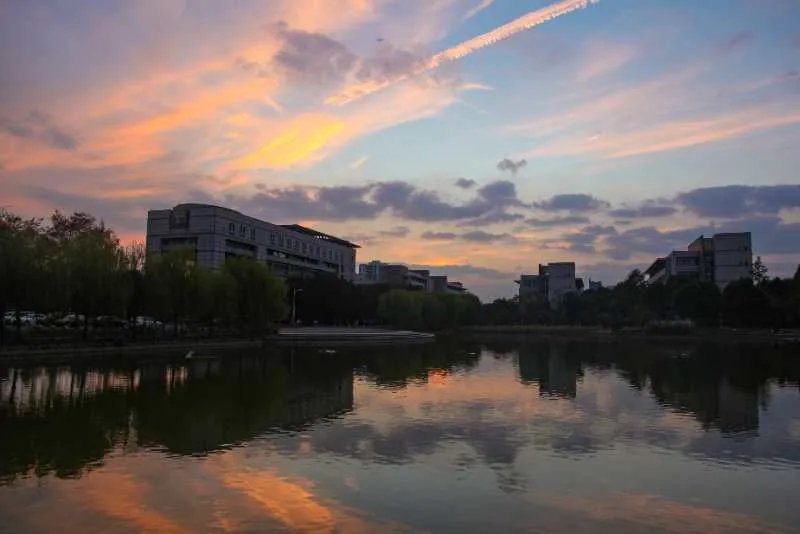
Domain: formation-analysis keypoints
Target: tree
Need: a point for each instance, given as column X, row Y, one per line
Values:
column 261, row 297
column 759, row 272
column 744, row 304
column 172, row 280
column 699, row 301
column 94, row 263
column 20, row 265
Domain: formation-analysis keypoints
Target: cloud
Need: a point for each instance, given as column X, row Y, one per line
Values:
column 642, row 212
column 479, row 236
column 439, row 236
column 397, row 231
column 770, row 234
column 525, row 22
column 38, row 126
column 571, row 202
column 669, row 135
column 358, row 163
column 493, row 217
column 604, row 58
column 739, row 200
column 735, row 42
column 466, row 183
column 312, row 57
column 367, row 201
column 476, row 236
column 584, row 240
column 480, row 6
column 509, row 165
column 556, row 221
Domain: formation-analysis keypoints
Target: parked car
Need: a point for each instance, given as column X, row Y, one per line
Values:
column 71, row 319
column 147, row 322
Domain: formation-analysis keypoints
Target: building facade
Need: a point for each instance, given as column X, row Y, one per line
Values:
column 720, row 259
column 398, row 275
column 553, row 283
column 215, row 233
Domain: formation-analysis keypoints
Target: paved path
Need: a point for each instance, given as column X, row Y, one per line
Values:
column 318, row 335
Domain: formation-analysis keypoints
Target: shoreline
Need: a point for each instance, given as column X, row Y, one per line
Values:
column 343, row 337
column 592, row 332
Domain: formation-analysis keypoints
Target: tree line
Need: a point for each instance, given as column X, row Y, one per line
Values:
column 75, row 264
column 758, row 302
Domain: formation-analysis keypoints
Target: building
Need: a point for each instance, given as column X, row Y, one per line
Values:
column 554, row 281
column 398, row 275
column 215, row 233
column 721, row 259
column 440, row 284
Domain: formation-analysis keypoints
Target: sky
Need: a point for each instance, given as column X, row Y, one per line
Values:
column 478, row 138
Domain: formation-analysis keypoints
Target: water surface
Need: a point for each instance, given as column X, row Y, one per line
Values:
column 502, row 434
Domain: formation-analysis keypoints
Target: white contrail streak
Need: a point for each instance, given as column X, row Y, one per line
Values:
column 525, row 22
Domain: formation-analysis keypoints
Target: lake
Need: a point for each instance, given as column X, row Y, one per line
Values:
column 492, row 434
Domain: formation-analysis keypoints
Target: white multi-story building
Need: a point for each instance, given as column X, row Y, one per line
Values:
column 215, row 233
column 721, row 259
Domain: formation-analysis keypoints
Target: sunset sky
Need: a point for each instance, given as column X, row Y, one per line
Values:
column 611, row 133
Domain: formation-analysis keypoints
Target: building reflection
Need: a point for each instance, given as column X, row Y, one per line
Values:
column 722, row 387
column 61, row 419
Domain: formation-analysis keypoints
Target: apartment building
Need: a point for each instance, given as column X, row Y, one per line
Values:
column 215, row 233
column 722, row 258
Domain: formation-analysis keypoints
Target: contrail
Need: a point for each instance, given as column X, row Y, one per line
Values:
column 525, row 22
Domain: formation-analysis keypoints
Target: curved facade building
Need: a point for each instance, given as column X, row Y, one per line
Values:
column 215, row 233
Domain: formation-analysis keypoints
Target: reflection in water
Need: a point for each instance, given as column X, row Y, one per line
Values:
column 358, row 440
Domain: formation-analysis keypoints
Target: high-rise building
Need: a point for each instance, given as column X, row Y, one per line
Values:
column 214, row 233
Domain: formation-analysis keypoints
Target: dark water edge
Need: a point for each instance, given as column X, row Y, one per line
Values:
column 502, row 432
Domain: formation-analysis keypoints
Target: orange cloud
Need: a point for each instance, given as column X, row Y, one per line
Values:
column 301, row 141
column 293, row 502
column 127, row 502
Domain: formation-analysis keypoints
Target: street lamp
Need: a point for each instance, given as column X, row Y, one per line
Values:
column 295, row 291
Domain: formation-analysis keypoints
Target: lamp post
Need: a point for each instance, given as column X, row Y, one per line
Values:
column 294, row 304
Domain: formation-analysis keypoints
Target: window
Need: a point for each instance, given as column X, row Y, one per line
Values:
column 280, row 240
column 288, row 242
column 242, row 230
column 297, row 245
column 253, row 234
column 231, row 228
column 304, row 247
column 271, row 239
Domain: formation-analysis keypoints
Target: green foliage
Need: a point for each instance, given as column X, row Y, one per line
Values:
column 699, row 301
column 75, row 264
column 427, row 311
column 744, row 304
column 759, row 272
column 634, row 303
column 260, row 296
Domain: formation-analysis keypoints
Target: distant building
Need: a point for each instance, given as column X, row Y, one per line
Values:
column 594, row 285
column 721, row 259
column 215, row 233
column 393, row 274
column 398, row 275
column 554, row 281
column 440, row 284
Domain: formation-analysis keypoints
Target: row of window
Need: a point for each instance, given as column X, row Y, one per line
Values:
column 243, row 231
column 283, row 241
column 312, row 249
